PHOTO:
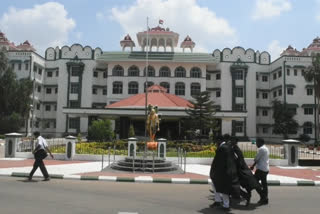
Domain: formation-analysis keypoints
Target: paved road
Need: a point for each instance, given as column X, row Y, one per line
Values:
column 71, row 196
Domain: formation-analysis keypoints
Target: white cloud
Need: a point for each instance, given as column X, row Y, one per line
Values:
column 265, row 9
column 100, row 16
column 45, row 25
column 182, row 16
column 275, row 49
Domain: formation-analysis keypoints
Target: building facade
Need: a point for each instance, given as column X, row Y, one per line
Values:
column 74, row 85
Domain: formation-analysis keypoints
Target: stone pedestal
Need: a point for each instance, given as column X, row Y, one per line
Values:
column 12, row 140
column 70, row 147
column 162, row 148
column 291, row 149
column 132, row 147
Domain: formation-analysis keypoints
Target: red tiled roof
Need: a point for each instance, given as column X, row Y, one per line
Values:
column 155, row 97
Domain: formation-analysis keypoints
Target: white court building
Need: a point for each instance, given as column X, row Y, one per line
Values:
column 72, row 85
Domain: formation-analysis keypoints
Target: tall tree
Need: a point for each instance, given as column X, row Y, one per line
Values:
column 284, row 123
column 312, row 74
column 15, row 98
column 201, row 113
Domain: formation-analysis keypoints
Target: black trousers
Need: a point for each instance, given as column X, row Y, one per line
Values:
column 263, row 187
column 39, row 156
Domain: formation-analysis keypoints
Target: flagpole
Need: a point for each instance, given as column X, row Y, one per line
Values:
column 146, row 84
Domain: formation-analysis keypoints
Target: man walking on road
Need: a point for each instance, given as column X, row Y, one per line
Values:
column 40, row 153
column 261, row 161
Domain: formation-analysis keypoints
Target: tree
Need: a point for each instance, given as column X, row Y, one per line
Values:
column 15, row 98
column 283, row 119
column 312, row 73
column 201, row 114
column 100, row 130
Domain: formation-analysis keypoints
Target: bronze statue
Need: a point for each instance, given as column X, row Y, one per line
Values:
column 153, row 122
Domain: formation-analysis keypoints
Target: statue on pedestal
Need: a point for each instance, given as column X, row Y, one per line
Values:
column 153, row 124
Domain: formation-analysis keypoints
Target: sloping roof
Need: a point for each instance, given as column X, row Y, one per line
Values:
column 155, row 97
column 157, row 56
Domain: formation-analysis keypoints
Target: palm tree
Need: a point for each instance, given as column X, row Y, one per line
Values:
column 312, row 73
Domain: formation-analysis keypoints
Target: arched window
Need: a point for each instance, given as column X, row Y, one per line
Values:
column 195, row 72
column 149, row 84
column 180, row 88
column 151, row 71
column 164, row 72
column 133, row 88
column 117, row 88
column 133, row 71
column 195, row 89
column 180, row 72
column 307, row 128
column 165, row 85
column 117, row 71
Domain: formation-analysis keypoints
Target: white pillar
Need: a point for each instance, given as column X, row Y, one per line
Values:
column 70, row 142
column 162, row 148
column 12, row 140
column 132, row 147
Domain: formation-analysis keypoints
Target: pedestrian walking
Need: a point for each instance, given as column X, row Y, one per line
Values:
column 261, row 161
column 222, row 173
column 40, row 153
column 246, row 178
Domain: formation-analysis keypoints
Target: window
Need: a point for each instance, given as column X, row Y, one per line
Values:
column 290, row 91
column 94, row 91
column 105, row 74
column 218, row 93
column 40, row 71
column 165, row 85
column 48, row 90
column 148, row 85
column 308, row 111
column 238, row 75
column 208, row 77
column 274, row 94
column 295, row 72
column 307, row 128
column 75, row 71
column 264, row 112
column 26, row 66
column 74, row 104
column 48, row 108
column 55, row 107
column 195, row 72
column 164, row 72
column 195, row 89
column 133, row 88
column 57, row 73
column 56, row 90
column 104, row 91
column 117, row 88
column 238, row 126
column 238, row 107
column 38, row 106
column 180, row 88
column 95, row 74
column 49, row 74
column 74, row 123
column 309, row 91
column 133, row 71
column 19, row 66
column 265, row 130
column 274, row 76
column 265, row 95
column 218, row 76
column 238, row 92
column 257, row 113
column 257, row 77
column 257, row 95
column 39, row 88
column 180, row 72
column 288, row 72
column 54, row 124
column 280, row 92
column 151, row 71
column 47, row 125
column 279, row 74
column 264, row 78
column 117, row 71
column 34, row 68
column 74, row 88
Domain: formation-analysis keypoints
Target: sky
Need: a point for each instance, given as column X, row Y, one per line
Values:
column 263, row 25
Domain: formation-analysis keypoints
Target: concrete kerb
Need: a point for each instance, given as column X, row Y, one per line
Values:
column 149, row 179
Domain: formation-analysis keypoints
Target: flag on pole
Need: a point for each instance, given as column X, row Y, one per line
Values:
column 160, row 22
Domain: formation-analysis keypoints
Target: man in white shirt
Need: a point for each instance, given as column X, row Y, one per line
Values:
column 40, row 153
column 261, row 161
